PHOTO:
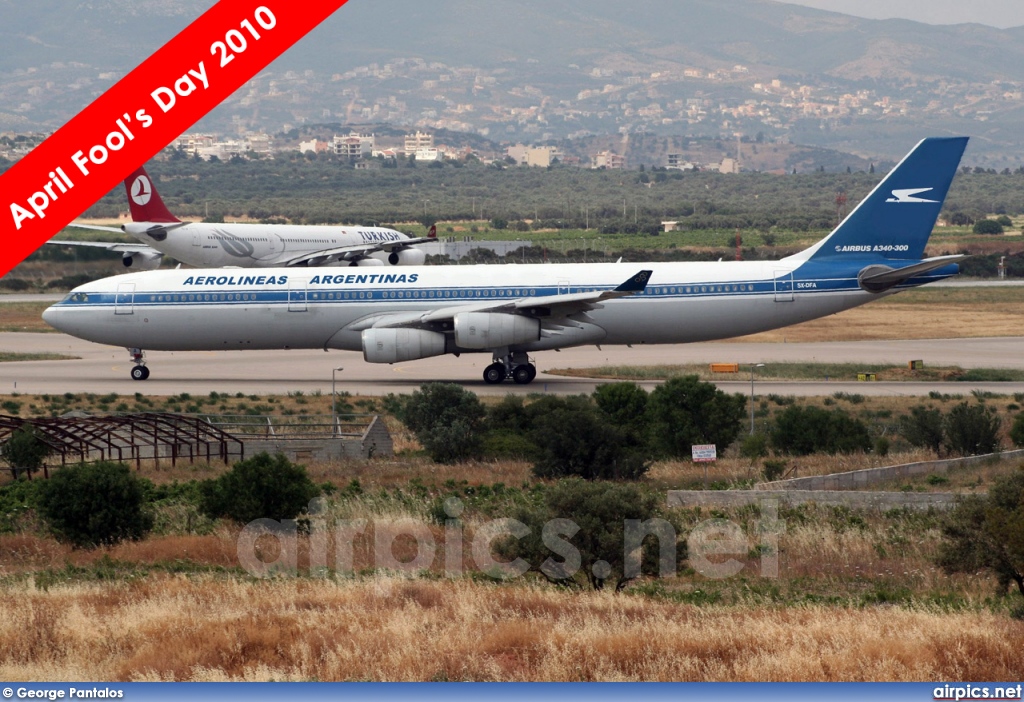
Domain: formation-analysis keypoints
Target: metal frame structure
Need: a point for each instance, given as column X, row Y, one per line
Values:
column 134, row 437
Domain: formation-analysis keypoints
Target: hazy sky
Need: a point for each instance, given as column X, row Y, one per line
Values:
column 996, row 13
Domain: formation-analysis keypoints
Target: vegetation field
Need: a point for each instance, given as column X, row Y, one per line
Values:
column 799, row 371
column 23, row 317
column 396, row 573
column 167, row 627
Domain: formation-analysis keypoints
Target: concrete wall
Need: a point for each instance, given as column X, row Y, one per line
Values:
column 868, row 500
column 860, row 479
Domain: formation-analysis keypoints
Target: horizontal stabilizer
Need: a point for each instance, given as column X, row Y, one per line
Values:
column 879, row 278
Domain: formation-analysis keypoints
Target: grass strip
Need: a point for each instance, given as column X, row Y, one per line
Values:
column 799, row 371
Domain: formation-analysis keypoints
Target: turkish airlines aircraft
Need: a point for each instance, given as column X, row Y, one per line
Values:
column 247, row 245
column 511, row 311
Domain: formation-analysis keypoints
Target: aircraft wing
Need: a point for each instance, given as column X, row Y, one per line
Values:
column 325, row 257
column 118, row 246
column 97, row 227
column 552, row 309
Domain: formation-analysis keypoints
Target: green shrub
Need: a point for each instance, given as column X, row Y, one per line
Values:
column 600, row 510
column 625, row 404
column 577, row 440
column 923, row 428
column 24, row 451
column 95, row 504
column 1017, row 430
column 988, row 226
column 987, row 533
column 971, row 430
column 774, row 469
column 684, row 411
column 17, row 501
column 500, row 444
column 804, row 430
column 263, row 486
column 446, row 419
column 754, row 446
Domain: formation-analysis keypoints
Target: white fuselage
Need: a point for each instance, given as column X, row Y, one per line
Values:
column 206, row 245
column 315, row 308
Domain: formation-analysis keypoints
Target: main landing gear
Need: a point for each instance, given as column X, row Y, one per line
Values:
column 140, row 371
column 516, row 366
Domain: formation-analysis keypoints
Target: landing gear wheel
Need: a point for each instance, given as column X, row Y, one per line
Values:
column 524, row 374
column 495, row 373
column 140, row 373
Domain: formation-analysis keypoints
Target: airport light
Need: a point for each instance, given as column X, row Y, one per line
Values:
column 334, row 401
column 752, row 367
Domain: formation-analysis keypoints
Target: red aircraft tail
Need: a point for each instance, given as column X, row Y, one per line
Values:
column 144, row 201
column 432, row 234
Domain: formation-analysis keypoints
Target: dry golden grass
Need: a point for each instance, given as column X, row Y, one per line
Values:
column 23, row 317
column 918, row 314
column 202, row 628
column 733, row 468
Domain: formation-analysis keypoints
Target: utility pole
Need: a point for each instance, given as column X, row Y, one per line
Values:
column 334, row 401
column 752, row 367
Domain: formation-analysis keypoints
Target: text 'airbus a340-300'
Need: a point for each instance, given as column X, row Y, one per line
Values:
column 511, row 311
column 242, row 245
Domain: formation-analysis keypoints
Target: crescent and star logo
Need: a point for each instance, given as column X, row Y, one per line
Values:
column 142, row 190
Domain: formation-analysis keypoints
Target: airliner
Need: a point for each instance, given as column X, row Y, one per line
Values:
column 511, row 311
column 247, row 245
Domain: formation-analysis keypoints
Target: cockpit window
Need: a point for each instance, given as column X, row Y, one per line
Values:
column 76, row 297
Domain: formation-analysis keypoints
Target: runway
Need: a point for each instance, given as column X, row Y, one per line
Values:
column 104, row 369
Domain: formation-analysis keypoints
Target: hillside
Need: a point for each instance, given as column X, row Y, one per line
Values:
column 536, row 71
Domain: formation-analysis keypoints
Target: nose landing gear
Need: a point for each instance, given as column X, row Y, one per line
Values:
column 140, row 371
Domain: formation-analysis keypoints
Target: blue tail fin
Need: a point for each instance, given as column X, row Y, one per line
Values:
column 896, row 219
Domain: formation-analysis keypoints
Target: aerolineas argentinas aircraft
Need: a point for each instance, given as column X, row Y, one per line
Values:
column 247, row 245
column 512, row 310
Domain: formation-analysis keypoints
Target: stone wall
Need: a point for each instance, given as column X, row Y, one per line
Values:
column 864, row 500
column 860, row 479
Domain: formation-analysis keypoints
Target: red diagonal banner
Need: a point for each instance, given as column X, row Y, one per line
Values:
column 144, row 112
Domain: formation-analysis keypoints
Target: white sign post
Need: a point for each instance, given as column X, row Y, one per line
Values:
column 704, row 453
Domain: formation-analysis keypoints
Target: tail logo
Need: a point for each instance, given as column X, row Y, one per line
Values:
column 142, row 190
column 908, row 195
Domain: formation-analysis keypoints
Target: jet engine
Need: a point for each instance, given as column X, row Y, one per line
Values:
column 490, row 330
column 142, row 261
column 408, row 257
column 397, row 345
column 366, row 262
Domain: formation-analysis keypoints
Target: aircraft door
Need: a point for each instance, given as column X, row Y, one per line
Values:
column 197, row 241
column 783, row 286
column 296, row 295
column 273, row 247
column 563, row 287
column 124, row 299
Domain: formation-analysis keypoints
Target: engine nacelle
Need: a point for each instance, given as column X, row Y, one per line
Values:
column 408, row 257
column 397, row 345
column 367, row 262
column 142, row 261
column 491, row 330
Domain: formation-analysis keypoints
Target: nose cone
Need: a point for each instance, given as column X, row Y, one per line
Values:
column 57, row 317
column 50, row 315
